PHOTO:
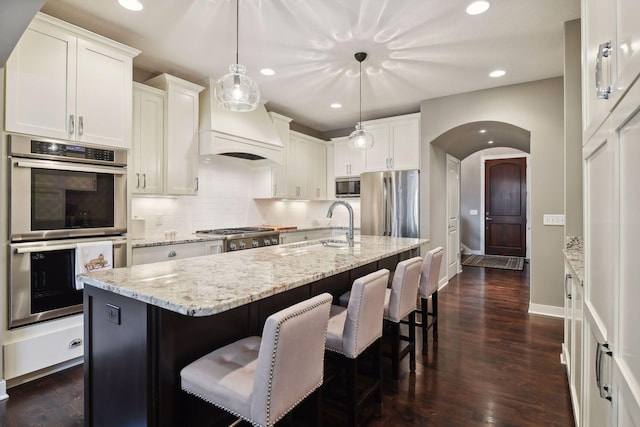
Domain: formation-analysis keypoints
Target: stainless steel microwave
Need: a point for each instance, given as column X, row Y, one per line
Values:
column 348, row 187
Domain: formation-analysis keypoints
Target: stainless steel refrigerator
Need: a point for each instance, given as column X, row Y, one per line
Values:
column 389, row 203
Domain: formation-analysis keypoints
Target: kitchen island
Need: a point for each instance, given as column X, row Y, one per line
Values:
column 144, row 323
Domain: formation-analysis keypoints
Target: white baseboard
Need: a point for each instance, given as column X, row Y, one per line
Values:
column 3, row 390
column 546, row 310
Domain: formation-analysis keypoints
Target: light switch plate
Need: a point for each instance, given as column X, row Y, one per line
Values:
column 553, row 219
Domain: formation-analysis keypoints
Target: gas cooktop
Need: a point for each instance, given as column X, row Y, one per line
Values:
column 236, row 230
column 245, row 237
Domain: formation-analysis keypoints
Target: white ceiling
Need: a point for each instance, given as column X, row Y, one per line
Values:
column 418, row 49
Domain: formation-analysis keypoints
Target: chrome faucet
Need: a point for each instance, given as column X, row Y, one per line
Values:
column 350, row 209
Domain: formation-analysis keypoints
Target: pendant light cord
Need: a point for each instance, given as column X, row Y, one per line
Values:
column 360, row 93
column 237, row 28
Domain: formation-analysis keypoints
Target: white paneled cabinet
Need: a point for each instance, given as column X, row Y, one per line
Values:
column 346, row 161
column 68, row 83
column 611, row 369
column 304, row 174
column 396, row 143
column 149, row 254
column 181, row 121
column 148, row 140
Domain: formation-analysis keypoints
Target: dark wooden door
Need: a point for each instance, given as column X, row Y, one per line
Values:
column 506, row 207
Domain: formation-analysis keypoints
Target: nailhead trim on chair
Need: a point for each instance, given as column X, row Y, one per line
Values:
column 273, row 357
column 268, row 409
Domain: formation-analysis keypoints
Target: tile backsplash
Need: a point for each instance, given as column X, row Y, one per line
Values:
column 225, row 199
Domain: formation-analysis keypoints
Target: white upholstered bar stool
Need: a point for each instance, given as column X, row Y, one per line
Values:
column 429, row 288
column 355, row 328
column 400, row 303
column 262, row 379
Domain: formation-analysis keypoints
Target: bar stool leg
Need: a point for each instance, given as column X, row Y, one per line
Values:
column 378, row 367
column 395, row 353
column 434, row 303
column 352, row 397
column 424, row 303
column 412, row 341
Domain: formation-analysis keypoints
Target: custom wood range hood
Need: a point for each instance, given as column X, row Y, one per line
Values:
column 247, row 135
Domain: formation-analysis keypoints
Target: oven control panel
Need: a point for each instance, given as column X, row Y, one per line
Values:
column 72, row 151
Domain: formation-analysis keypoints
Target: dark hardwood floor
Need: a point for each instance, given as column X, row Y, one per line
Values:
column 493, row 365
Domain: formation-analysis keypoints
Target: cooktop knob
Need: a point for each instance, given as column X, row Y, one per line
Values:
column 267, row 242
column 233, row 247
column 243, row 245
column 255, row 243
column 274, row 241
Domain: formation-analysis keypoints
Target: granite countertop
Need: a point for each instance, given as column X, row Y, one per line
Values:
column 574, row 254
column 206, row 285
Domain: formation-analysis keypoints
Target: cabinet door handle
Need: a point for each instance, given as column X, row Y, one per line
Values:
column 602, row 91
column 197, row 184
column 80, row 125
column 566, row 291
column 172, row 254
column 144, row 180
column 602, row 348
column 138, row 180
column 72, row 124
column 275, row 189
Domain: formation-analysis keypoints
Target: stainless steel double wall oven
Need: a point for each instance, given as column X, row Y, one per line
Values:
column 61, row 194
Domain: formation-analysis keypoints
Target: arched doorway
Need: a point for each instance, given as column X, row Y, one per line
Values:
column 497, row 139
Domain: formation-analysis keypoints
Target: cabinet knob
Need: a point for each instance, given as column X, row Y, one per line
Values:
column 172, row 254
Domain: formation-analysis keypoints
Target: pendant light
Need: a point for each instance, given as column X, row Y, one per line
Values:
column 360, row 139
column 236, row 91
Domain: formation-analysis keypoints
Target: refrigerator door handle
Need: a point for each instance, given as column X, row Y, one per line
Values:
column 385, row 195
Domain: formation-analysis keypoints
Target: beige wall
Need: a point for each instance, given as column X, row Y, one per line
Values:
column 572, row 130
column 537, row 107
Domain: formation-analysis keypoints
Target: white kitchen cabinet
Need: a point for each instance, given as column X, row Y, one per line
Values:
column 396, row 143
column 181, row 121
column 317, row 186
column 304, row 235
column 149, row 254
column 148, row 140
column 611, row 55
column 568, row 314
column 347, row 162
column 68, row 83
column 297, row 166
column 575, row 376
column 611, row 374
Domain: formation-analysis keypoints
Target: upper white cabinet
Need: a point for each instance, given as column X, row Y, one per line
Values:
column 304, row 172
column 147, row 151
column 347, row 162
column 68, row 83
column 611, row 59
column 396, row 147
column 396, row 143
column 181, row 121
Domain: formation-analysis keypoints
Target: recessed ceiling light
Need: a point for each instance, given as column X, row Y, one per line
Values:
column 134, row 5
column 336, row 105
column 478, row 7
column 482, row 131
column 267, row 72
column 497, row 73
column 489, row 142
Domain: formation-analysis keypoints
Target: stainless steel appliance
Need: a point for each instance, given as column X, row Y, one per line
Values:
column 42, row 278
column 61, row 190
column 61, row 194
column 348, row 187
column 245, row 237
column 389, row 203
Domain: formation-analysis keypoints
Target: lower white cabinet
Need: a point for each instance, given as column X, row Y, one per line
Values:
column 32, row 348
column 149, row 254
column 302, row 236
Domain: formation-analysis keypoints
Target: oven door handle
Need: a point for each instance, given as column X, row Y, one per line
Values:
column 48, row 248
column 70, row 167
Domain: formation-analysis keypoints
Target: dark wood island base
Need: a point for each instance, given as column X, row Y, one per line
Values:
column 134, row 351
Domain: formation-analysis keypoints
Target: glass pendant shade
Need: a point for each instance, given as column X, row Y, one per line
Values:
column 360, row 139
column 236, row 91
